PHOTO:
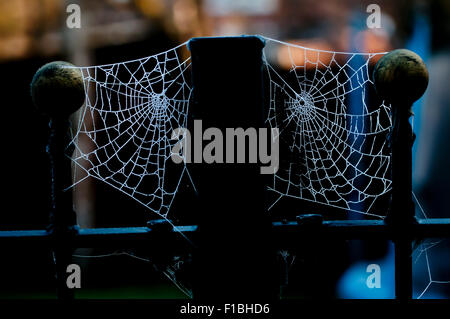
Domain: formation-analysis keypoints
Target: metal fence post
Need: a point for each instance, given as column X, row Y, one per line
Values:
column 235, row 259
column 57, row 90
column 401, row 78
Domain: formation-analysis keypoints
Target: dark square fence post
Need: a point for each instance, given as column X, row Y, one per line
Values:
column 235, row 257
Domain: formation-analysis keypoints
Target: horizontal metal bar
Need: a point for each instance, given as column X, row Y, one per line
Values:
column 287, row 234
column 283, row 232
column 432, row 227
column 92, row 237
column 24, row 235
column 343, row 229
column 135, row 236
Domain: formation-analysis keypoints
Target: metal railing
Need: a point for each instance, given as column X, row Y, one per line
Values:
column 237, row 54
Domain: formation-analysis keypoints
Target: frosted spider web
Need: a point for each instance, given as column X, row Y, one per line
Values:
column 337, row 137
column 123, row 135
column 338, row 154
column 130, row 112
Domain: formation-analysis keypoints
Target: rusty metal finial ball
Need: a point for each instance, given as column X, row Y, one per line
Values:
column 57, row 89
column 400, row 77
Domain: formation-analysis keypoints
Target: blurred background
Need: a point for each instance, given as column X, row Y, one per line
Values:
column 33, row 32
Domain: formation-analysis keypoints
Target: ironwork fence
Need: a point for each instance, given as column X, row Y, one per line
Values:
column 242, row 64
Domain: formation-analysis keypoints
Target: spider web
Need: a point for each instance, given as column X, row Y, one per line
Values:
column 336, row 136
column 123, row 137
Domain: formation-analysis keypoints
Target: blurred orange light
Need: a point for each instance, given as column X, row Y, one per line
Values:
column 370, row 41
column 311, row 54
column 151, row 8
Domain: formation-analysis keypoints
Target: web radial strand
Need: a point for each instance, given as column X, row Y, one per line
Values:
column 124, row 130
column 333, row 130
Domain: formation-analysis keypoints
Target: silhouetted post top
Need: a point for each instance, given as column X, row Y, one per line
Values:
column 400, row 77
column 57, row 89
